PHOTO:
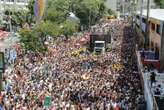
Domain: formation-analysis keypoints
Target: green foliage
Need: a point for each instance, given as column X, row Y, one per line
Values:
column 45, row 28
column 30, row 13
column 59, row 5
column 18, row 17
column 30, row 6
column 56, row 12
column 160, row 3
column 54, row 15
column 55, row 23
column 68, row 28
column 30, row 41
column 110, row 12
column 89, row 11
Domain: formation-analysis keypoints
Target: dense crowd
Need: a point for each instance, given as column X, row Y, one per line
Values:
column 80, row 81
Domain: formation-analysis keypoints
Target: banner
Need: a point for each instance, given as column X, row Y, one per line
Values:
column 39, row 7
column 47, row 101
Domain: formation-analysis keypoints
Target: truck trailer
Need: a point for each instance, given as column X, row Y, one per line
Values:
column 99, row 41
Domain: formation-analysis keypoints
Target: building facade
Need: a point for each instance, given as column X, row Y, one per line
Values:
column 10, row 4
column 124, row 7
column 114, row 5
column 144, row 4
column 156, row 31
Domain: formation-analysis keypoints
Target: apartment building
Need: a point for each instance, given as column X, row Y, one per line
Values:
column 144, row 4
column 16, row 4
column 114, row 5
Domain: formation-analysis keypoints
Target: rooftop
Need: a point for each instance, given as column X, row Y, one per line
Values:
column 154, row 13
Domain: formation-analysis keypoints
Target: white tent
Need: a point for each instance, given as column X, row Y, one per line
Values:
column 72, row 17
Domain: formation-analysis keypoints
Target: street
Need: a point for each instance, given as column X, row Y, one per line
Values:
column 74, row 80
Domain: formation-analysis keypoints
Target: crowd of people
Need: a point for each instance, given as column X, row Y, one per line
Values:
column 81, row 81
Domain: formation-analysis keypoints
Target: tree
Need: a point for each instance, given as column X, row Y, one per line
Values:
column 68, row 28
column 57, row 12
column 34, row 40
column 30, row 41
column 55, row 22
column 160, row 3
column 30, row 6
column 45, row 28
column 55, row 16
column 88, row 11
column 30, row 13
column 110, row 12
column 18, row 17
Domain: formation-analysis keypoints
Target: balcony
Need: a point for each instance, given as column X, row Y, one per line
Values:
column 153, row 82
column 150, row 59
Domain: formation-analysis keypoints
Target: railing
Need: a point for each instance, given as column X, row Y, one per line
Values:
column 150, row 99
column 140, row 67
column 149, row 58
column 155, row 105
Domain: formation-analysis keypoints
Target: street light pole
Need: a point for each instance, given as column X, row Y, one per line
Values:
column 10, row 17
column 123, row 8
column 147, row 24
column 1, row 18
column 2, row 69
column 141, row 11
column 161, row 57
column 0, row 6
column 133, row 5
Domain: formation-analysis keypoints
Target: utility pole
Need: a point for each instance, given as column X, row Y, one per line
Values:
column 1, row 11
column 10, row 17
column 134, row 3
column 2, row 69
column 162, row 51
column 123, row 3
column 147, row 25
column 0, row 5
column 141, row 11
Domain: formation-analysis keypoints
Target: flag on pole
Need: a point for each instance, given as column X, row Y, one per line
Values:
column 39, row 7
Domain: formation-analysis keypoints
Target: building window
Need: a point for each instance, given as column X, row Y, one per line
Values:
column 21, row 1
column 152, row 26
column 152, row 46
column 158, row 28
